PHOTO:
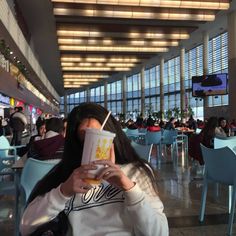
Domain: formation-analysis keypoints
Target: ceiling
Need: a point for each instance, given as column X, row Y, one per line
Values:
column 84, row 42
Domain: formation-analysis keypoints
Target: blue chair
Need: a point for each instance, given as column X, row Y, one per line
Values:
column 230, row 142
column 33, row 171
column 7, row 158
column 220, row 168
column 132, row 134
column 169, row 138
column 144, row 151
column 155, row 139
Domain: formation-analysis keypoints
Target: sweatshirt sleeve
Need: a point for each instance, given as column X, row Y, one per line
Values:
column 41, row 210
column 145, row 209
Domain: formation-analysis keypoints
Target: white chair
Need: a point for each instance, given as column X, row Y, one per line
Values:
column 144, row 151
column 219, row 168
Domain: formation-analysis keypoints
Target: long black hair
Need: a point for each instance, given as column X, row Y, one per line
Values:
column 124, row 153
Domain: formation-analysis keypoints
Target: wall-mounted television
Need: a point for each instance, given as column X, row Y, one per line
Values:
column 210, row 85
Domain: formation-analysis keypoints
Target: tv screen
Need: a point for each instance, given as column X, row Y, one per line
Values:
column 209, row 85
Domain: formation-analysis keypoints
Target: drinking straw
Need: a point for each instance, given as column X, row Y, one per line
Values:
column 104, row 122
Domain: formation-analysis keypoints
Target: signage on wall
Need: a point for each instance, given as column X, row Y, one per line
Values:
column 12, row 102
column 4, row 99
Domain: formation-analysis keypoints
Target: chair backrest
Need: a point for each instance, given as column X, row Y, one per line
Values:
column 219, row 164
column 144, row 151
column 4, row 144
column 169, row 136
column 33, row 171
column 153, row 137
column 225, row 142
column 132, row 134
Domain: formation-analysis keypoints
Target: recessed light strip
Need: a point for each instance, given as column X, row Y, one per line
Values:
column 95, row 69
column 166, row 14
column 81, row 80
column 68, row 58
column 112, row 49
column 98, row 64
column 214, row 5
column 99, row 42
column 153, row 34
column 87, row 76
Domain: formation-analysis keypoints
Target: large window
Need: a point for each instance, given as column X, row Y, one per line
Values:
column 218, row 63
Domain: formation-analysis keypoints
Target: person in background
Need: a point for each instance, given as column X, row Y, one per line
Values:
column 52, row 146
column 1, row 126
column 139, row 121
column 206, row 137
column 18, row 124
column 170, row 124
column 223, row 126
column 192, row 124
column 126, row 202
column 64, row 127
column 150, row 121
column 41, row 130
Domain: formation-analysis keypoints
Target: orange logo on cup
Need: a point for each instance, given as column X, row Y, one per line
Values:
column 102, row 151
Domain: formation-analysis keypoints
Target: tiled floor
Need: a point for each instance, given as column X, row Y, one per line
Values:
column 180, row 192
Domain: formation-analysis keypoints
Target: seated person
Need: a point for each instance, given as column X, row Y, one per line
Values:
column 41, row 129
column 52, row 146
column 170, row 124
column 126, row 202
column 154, row 127
column 224, row 127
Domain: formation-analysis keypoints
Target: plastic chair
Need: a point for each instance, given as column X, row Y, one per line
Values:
column 155, row 139
column 33, row 171
column 169, row 138
column 132, row 134
column 144, row 151
column 220, row 168
column 230, row 142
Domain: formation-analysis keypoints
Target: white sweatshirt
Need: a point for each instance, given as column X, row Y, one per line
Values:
column 103, row 210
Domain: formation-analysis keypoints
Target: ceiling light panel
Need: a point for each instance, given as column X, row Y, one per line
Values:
column 87, row 76
column 100, row 42
column 124, row 59
column 95, row 69
column 149, row 34
column 113, row 49
column 164, row 14
column 214, row 5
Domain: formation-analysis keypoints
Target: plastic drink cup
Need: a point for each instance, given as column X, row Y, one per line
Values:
column 97, row 146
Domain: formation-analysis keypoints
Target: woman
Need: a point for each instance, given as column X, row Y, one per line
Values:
column 224, row 127
column 125, row 203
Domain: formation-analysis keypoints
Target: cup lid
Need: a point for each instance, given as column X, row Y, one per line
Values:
column 100, row 132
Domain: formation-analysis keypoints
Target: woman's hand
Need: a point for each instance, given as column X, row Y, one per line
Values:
column 76, row 182
column 113, row 174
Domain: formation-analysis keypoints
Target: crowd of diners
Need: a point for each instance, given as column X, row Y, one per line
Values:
column 222, row 125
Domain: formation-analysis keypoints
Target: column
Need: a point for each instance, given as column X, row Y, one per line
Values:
column 205, row 62
column 124, row 90
column 87, row 94
column 65, row 103
column 105, row 94
column 182, row 87
column 162, row 87
column 142, row 92
column 232, row 63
